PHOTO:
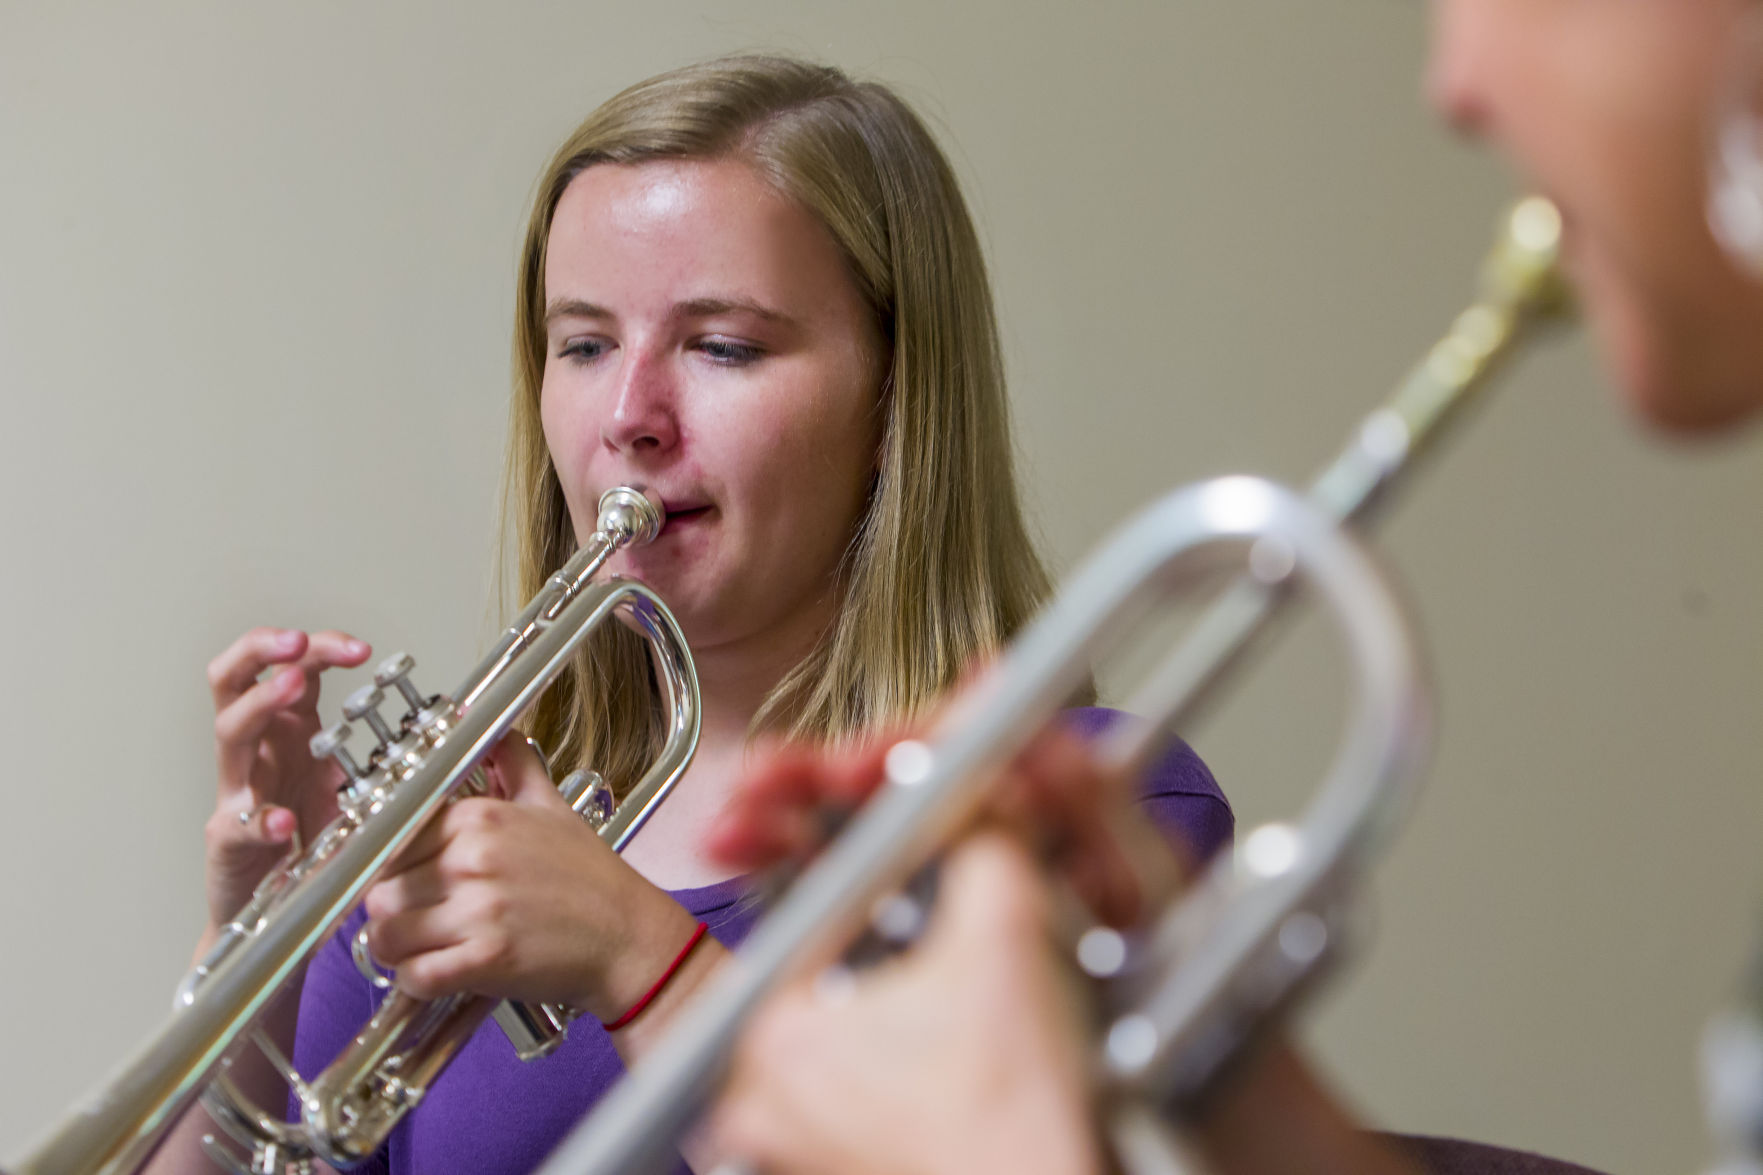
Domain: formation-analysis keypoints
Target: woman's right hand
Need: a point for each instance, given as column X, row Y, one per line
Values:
column 269, row 783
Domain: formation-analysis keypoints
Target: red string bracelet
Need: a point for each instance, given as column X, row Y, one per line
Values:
column 649, row 996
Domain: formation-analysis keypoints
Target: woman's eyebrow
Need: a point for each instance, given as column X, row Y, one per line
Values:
column 707, row 307
column 574, row 308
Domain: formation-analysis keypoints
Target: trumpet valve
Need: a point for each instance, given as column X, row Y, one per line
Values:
column 394, row 673
column 363, row 706
column 329, row 744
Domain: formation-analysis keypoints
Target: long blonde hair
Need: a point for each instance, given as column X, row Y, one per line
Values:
column 940, row 571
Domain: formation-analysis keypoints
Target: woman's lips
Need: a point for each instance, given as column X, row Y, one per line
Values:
column 680, row 517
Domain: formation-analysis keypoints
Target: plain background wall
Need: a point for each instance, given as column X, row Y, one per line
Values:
column 255, row 286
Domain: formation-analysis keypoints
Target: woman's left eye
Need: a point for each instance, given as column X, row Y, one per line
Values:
column 730, row 352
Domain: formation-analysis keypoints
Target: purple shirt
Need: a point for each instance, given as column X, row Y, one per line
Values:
column 491, row 1114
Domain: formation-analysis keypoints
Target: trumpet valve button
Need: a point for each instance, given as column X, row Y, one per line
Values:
column 363, row 706
column 392, row 668
column 361, row 703
column 394, row 673
column 329, row 744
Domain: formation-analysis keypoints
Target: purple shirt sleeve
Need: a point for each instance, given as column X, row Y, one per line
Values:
column 491, row 1114
column 1177, row 792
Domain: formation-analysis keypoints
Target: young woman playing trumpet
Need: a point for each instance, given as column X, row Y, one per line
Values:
column 752, row 286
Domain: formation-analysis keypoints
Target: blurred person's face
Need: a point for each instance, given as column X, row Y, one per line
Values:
column 1607, row 107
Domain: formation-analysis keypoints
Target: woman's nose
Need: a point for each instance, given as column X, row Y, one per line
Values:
column 642, row 420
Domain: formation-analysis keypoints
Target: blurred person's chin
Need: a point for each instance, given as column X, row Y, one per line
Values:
column 1679, row 373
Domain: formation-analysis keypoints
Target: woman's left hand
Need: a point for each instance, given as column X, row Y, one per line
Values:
column 516, row 897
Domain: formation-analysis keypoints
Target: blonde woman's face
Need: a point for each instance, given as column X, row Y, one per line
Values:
column 704, row 339
column 1607, row 108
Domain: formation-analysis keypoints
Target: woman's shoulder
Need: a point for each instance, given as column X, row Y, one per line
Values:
column 1177, row 770
column 1177, row 788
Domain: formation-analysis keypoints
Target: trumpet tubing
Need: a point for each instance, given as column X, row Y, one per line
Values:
column 431, row 758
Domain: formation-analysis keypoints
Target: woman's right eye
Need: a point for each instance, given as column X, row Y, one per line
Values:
column 582, row 350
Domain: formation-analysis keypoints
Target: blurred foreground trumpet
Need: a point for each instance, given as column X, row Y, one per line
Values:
column 1233, row 954
column 434, row 755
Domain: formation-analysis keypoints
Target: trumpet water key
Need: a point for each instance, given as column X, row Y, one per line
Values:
column 432, row 755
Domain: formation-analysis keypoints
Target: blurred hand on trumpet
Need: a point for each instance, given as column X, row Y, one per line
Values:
column 1079, row 817
column 971, row 1051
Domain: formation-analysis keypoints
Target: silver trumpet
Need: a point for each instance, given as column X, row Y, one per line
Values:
column 433, row 756
column 1231, row 956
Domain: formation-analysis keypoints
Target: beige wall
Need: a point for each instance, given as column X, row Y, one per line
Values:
column 254, row 297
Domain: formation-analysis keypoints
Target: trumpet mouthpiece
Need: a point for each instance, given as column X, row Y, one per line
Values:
column 631, row 514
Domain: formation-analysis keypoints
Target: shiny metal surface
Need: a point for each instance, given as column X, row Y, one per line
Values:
column 1233, row 954
column 432, row 757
